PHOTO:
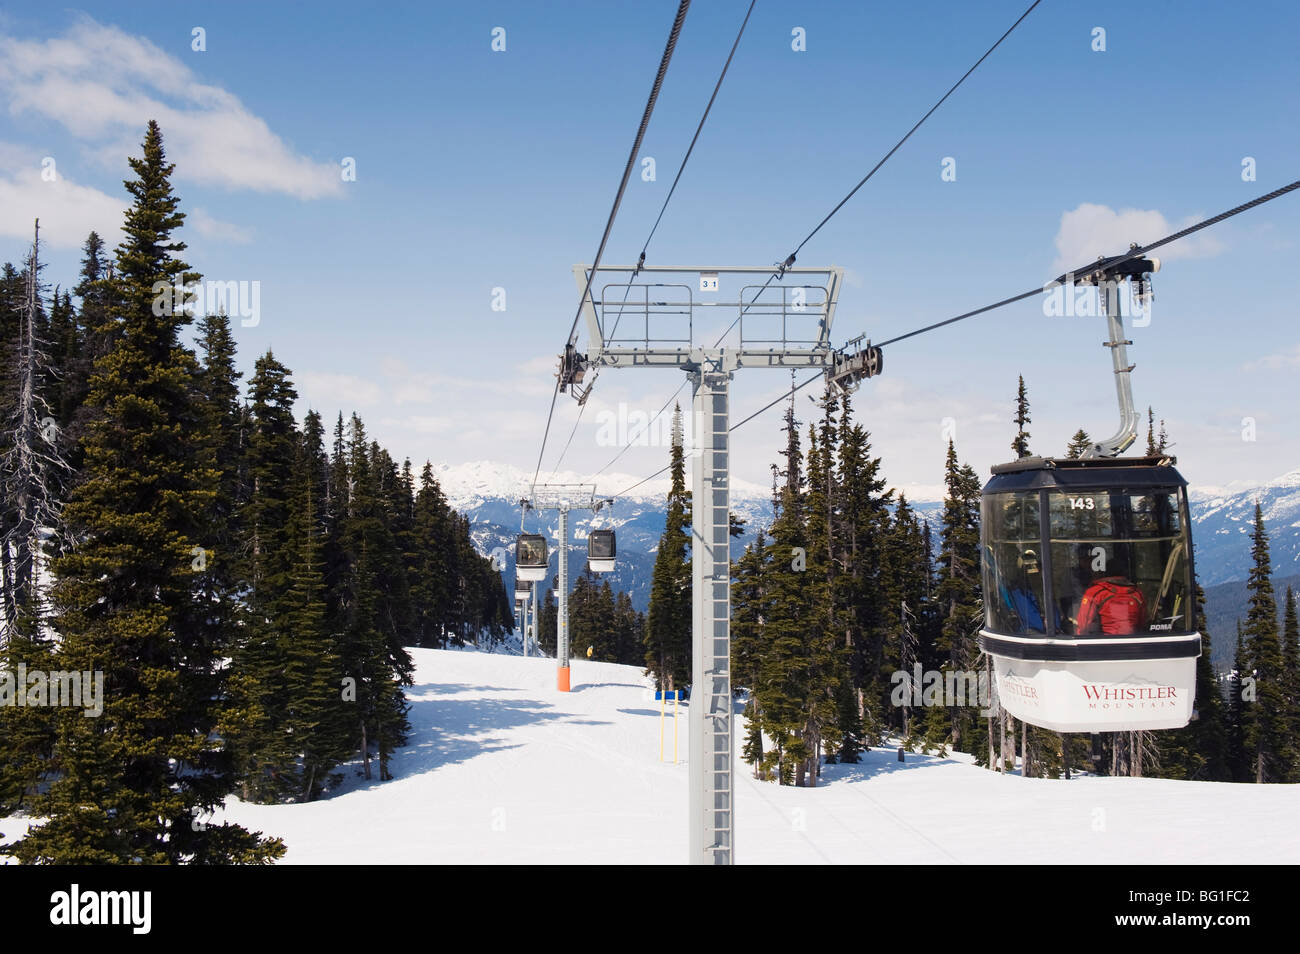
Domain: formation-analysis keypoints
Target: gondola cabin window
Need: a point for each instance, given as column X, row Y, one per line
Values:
column 1119, row 562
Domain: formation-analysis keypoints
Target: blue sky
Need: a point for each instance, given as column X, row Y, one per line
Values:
column 478, row 170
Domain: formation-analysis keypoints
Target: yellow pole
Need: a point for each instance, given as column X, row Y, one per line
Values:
column 661, row 725
column 675, row 727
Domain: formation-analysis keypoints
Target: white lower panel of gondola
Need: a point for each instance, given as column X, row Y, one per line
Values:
column 1098, row 696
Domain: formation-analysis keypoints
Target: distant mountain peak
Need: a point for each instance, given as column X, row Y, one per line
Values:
column 469, row 484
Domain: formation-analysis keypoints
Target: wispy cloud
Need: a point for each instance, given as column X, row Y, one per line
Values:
column 217, row 230
column 68, row 212
column 103, row 85
column 1275, row 362
column 1090, row 231
column 346, row 392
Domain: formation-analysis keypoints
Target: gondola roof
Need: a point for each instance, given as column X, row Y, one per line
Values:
column 1036, row 473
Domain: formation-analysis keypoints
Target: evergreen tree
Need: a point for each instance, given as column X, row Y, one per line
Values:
column 65, row 346
column 370, row 655
column 1021, row 444
column 435, row 563
column 832, row 726
column 628, row 627
column 1238, row 688
column 861, row 585
column 263, row 739
column 958, row 590
column 132, row 782
column 548, row 623
column 315, row 717
column 909, row 567
column 1268, row 745
column 1291, row 668
column 218, row 394
column 272, row 452
column 1199, row 750
column 668, row 622
column 97, row 329
column 1079, row 443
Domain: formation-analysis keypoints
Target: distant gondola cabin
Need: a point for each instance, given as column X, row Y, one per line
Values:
column 601, row 551
column 531, row 557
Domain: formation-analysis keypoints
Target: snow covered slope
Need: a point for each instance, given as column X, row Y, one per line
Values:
column 503, row 769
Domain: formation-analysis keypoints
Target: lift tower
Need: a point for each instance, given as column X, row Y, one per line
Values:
column 562, row 498
column 783, row 322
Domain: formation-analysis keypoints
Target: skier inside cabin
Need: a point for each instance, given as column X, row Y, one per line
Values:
column 1023, row 599
column 1113, row 605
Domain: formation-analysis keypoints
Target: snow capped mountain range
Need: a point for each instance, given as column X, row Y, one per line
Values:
column 1222, row 519
column 469, row 485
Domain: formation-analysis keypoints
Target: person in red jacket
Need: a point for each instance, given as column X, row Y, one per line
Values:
column 1112, row 606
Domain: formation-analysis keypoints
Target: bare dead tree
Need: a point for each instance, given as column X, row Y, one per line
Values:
column 31, row 465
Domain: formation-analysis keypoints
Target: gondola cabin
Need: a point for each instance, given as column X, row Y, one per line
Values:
column 531, row 559
column 523, row 590
column 601, row 550
column 1088, row 594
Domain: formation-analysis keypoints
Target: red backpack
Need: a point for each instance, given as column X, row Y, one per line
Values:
column 1120, row 608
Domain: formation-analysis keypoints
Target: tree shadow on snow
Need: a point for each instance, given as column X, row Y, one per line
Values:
column 876, row 762
column 451, row 731
column 451, row 688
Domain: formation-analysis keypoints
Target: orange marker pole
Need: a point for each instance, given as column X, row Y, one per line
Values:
column 562, row 679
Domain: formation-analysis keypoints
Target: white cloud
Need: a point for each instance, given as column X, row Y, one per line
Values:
column 323, row 389
column 421, row 424
column 217, row 230
column 103, row 85
column 68, row 212
column 1275, row 362
column 1090, row 231
column 539, row 365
